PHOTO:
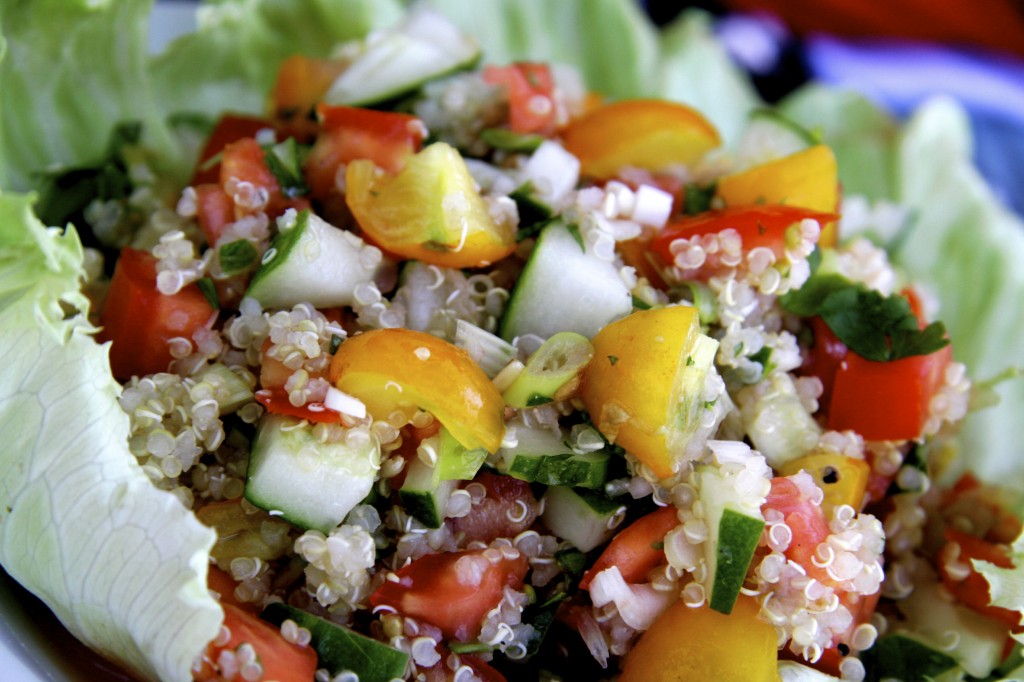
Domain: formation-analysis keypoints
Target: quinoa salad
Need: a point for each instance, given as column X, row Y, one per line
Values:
column 444, row 367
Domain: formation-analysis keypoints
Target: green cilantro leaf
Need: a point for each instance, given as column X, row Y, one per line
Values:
column 876, row 327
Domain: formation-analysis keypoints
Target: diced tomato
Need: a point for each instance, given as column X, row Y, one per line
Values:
column 637, row 548
column 758, row 226
column 301, row 83
column 823, row 360
column 280, row 659
column 224, row 585
column 230, row 128
column 245, row 161
column 531, row 96
column 509, row 508
column 988, row 507
column 139, row 321
column 348, row 133
column 805, row 519
column 833, row 657
column 483, row 670
column 452, row 590
column 973, row 590
column 276, row 401
column 886, row 400
column 215, row 209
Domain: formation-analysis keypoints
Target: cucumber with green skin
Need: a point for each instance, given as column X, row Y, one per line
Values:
column 311, row 484
column 424, row 494
column 542, row 456
column 564, row 288
column 339, row 649
column 586, row 518
column 734, row 526
column 312, row 261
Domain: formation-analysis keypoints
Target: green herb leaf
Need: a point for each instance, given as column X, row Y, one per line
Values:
column 876, row 327
column 697, row 199
column 284, row 160
column 237, row 256
column 511, row 141
column 209, row 290
column 533, row 213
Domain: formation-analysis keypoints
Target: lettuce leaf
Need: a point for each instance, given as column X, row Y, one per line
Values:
column 122, row 564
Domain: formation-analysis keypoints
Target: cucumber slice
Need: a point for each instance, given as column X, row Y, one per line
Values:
column 315, row 262
column 425, row 45
column 586, row 518
column 542, row 456
column 339, row 649
column 455, row 460
column 311, row 484
column 769, row 135
column 424, row 494
column 563, row 288
column 735, row 525
column 552, row 373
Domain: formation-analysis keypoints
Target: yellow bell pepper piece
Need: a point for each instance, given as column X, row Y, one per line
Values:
column 807, row 179
column 649, row 134
column 844, row 480
column 687, row 644
column 401, row 370
column 643, row 388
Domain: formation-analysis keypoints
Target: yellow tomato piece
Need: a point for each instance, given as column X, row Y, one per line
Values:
column 808, row 179
column 844, row 480
column 649, row 134
column 687, row 644
column 430, row 211
column 643, row 389
column 401, row 370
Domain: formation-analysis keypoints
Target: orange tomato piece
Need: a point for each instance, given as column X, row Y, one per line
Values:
column 636, row 549
column 301, row 83
column 806, row 179
column 643, row 133
column 401, row 370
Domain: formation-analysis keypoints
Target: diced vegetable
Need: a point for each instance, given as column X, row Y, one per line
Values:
column 586, row 518
column 452, row 590
column 637, row 548
column 552, row 373
column 310, row 483
column 648, row 134
column 276, row 657
column 805, row 179
column 646, row 388
column 701, row 644
column 543, row 456
column 843, row 479
column 530, row 90
column 139, row 321
column 430, row 211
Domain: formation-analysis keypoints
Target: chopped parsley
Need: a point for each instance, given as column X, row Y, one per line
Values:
column 876, row 327
column 237, row 256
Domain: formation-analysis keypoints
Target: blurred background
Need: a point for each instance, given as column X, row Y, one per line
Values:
column 898, row 53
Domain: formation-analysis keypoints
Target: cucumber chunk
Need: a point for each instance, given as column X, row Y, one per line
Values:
column 586, row 518
column 552, row 373
column 230, row 391
column 315, row 262
column 424, row 494
column 340, row 649
column 564, row 288
column 734, row 526
column 542, row 456
column 311, row 484
column 425, row 45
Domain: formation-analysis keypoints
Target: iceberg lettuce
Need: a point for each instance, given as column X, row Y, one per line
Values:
column 122, row 564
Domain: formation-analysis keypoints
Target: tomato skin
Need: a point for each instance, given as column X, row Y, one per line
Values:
column 530, row 92
column 758, row 226
column 430, row 589
column 973, row 591
column 349, row 133
column 634, row 550
column 805, row 519
column 886, row 400
column 215, row 209
column 491, row 518
column 276, row 401
column 823, row 360
column 230, row 128
column 281, row 660
column 139, row 321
